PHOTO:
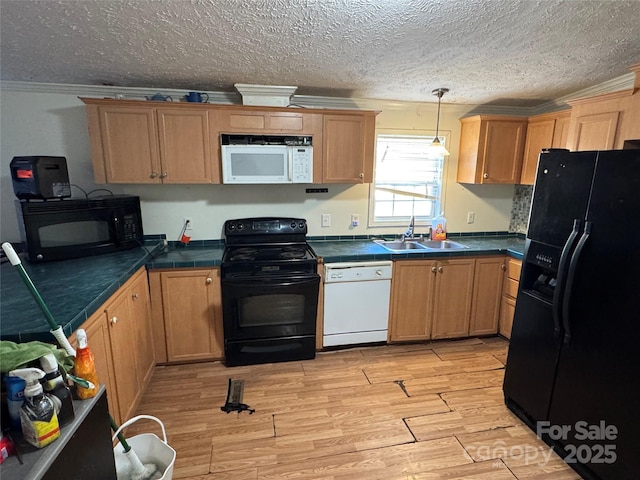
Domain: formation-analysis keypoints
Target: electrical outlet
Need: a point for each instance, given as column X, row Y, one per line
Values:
column 355, row 219
column 190, row 224
column 471, row 217
column 326, row 219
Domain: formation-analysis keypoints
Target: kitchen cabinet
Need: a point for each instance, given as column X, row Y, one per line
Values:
column 412, row 298
column 98, row 340
column 348, row 148
column 487, row 295
column 135, row 142
column 191, row 313
column 430, row 299
column 164, row 142
column 543, row 131
column 491, row 149
column 452, row 302
column 603, row 122
column 119, row 335
column 509, row 295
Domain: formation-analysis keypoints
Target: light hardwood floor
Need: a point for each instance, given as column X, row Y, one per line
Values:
column 404, row 412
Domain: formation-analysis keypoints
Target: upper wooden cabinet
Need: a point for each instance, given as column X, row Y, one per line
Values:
column 348, row 148
column 491, row 148
column 543, row 131
column 161, row 142
column 141, row 143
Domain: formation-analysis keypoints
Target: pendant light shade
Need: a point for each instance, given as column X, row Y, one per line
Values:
column 437, row 147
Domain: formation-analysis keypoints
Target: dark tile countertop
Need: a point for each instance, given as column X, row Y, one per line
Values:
column 354, row 250
column 72, row 289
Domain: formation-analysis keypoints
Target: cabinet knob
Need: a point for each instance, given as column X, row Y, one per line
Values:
column 440, row 269
column 209, row 281
column 134, row 296
column 114, row 320
column 434, row 269
column 361, row 175
column 486, row 175
column 153, row 174
column 503, row 267
column 163, row 175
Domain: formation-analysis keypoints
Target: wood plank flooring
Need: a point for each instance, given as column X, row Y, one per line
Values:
column 401, row 412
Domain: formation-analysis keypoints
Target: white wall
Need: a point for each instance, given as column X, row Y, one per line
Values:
column 55, row 124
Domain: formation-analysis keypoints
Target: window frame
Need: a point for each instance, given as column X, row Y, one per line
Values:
column 402, row 222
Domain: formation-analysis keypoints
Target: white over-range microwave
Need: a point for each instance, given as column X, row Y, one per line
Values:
column 266, row 159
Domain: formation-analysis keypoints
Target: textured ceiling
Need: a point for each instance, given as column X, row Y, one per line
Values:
column 502, row 52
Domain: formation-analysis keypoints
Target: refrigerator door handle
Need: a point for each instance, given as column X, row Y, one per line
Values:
column 562, row 268
column 566, row 299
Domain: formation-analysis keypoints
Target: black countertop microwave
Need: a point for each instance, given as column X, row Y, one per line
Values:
column 72, row 228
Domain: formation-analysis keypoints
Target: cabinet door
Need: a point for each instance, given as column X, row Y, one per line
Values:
column 130, row 144
column 98, row 341
column 192, row 308
column 185, row 151
column 452, row 306
column 561, row 132
column 503, row 151
column 507, row 311
column 412, row 289
column 595, row 132
column 539, row 136
column 141, row 314
column 487, row 293
column 123, row 351
column 348, row 148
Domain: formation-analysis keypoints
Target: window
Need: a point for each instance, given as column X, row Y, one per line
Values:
column 407, row 180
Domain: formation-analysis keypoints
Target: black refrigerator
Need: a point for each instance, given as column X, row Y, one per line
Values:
column 573, row 367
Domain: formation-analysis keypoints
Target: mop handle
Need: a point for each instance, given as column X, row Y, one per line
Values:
column 123, row 442
column 56, row 330
column 16, row 262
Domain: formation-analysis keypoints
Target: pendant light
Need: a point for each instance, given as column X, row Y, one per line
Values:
column 437, row 147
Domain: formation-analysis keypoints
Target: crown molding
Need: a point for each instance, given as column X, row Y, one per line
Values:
column 624, row 82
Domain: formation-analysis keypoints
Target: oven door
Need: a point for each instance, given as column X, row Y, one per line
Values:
column 270, row 306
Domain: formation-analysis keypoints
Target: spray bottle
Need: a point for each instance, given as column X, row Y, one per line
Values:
column 58, row 392
column 84, row 367
column 38, row 417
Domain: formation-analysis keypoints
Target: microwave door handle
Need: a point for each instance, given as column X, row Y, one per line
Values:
column 290, row 162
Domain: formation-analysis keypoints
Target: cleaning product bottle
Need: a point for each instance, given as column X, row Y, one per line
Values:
column 439, row 228
column 38, row 418
column 58, row 392
column 84, row 367
column 15, row 399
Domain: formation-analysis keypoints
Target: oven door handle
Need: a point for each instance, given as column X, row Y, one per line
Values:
column 270, row 280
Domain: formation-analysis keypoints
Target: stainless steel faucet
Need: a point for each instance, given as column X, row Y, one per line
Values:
column 408, row 234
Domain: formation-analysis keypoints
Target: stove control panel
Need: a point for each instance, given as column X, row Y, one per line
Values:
column 265, row 226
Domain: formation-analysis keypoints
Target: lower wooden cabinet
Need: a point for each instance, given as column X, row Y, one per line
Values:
column 190, row 314
column 119, row 335
column 412, row 292
column 510, row 292
column 487, row 294
column 452, row 302
column 453, row 298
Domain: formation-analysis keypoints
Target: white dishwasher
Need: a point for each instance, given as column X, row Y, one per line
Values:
column 356, row 302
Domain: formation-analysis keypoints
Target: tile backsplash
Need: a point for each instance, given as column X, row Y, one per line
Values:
column 520, row 209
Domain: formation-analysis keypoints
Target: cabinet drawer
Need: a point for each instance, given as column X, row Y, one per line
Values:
column 513, row 269
column 511, row 288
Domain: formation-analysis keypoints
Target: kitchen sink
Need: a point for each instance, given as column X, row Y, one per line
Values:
column 442, row 244
column 419, row 245
column 399, row 245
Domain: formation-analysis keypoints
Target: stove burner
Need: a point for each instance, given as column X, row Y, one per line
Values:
column 244, row 253
column 293, row 252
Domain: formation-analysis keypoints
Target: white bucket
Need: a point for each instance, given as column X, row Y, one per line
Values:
column 148, row 447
